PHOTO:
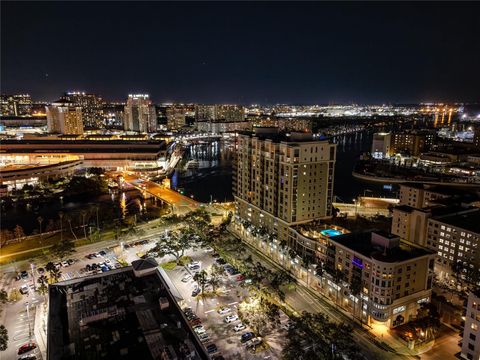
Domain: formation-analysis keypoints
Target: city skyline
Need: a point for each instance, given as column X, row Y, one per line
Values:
column 323, row 53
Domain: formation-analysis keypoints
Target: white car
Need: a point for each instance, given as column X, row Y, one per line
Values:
column 208, row 249
column 24, row 289
column 231, row 318
column 224, row 310
column 65, row 263
column 254, row 342
column 239, row 327
column 107, row 261
column 193, row 264
column 186, row 278
column 199, row 329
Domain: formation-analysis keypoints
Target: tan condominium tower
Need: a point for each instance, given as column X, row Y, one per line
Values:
column 282, row 179
column 63, row 117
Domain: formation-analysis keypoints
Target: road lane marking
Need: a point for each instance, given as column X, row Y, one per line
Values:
column 209, row 311
column 233, row 303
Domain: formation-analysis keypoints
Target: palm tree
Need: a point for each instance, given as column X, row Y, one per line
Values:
column 69, row 220
column 43, row 288
column 60, row 215
column 201, row 278
column 40, row 220
column 83, row 214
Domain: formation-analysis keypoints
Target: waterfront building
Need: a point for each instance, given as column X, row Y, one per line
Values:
column 381, row 145
column 91, row 105
column 176, row 117
column 282, row 179
column 15, row 105
column 132, row 153
column 140, row 114
column 123, row 313
column 412, row 143
column 471, row 330
column 63, row 117
column 220, row 118
column 476, row 136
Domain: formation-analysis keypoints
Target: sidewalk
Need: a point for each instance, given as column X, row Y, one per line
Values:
column 40, row 328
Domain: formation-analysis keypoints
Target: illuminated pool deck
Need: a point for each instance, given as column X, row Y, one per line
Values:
column 330, row 232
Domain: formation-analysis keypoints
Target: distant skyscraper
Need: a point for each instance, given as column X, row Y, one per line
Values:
column 175, row 118
column 140, row 114
column 91, row 105
column 113, row 115
column 64, row 118
column 16, row 105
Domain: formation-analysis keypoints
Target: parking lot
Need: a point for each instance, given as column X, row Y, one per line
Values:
column 209, row 311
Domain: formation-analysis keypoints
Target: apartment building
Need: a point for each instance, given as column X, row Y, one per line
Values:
column 282, row 179
column 419, row 195
column 471, row 331
column 394, row 276
column 455, row 238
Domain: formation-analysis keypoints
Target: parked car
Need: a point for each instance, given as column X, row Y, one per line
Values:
column 194, row 267
column 24, row 275
column 196, row 291
column 193, row 264
column 239, row 327
column 196, row 321
column 28, row 357
column 240, row 277
column 41, row 271
column 231, row 318
column 203, row 336
column 103, row 253
column 26, row 348
column 199, row 329
column 24, row 289
column 220, row 261
column 253, row 342
column 224, row 310
column 65, row 263
column 208, row 249
column 70, row 261
column 211, row 348
column 247, row 336
column 186, row 278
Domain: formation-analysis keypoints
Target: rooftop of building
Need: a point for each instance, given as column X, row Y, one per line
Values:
column 124, row 313
column 361, row 242
column 468, row 220
column 273, row 134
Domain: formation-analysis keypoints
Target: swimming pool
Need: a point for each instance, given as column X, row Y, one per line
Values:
column 330, row 232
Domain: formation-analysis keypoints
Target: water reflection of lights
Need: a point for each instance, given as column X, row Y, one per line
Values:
column 123, row 205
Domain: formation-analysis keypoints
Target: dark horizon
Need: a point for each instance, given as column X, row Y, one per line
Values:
column 246, row 53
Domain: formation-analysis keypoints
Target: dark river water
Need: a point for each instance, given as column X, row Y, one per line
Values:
column 213, row 178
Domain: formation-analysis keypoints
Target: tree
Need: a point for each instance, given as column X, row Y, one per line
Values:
column 215, row 276
column 201, row 278
column 174, row 243
column 259, row 313
column 18, row 232
column 68, row 217
column 83, row 214
column 315, row 337
column 3, row 299
column 40, row 221
column 3, row 338
column 43, row 288
column 428, row 319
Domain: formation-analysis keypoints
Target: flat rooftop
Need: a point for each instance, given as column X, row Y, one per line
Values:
column 272, row 134
column 361, row 242
column 119, row 315
column 467, row 220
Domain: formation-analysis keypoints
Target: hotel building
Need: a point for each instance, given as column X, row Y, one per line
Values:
column 64, row 118
column 140, row 114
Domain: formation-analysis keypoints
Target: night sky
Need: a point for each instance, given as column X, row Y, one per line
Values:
column 297, row 53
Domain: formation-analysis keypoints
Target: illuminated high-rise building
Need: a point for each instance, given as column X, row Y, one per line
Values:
column 175, row 117
column 63, row 117
column 91, row 106
column 283, row 179
column 140, row 114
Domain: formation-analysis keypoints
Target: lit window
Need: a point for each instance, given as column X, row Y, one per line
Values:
column 474, row 326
